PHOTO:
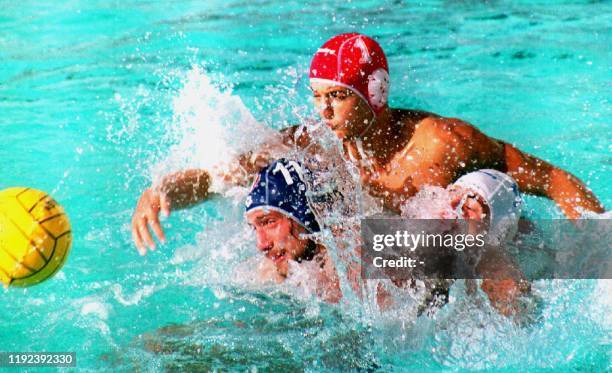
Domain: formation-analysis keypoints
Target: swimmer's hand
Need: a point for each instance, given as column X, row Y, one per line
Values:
column 146, row 215
column 505, row 294
column 179, row 190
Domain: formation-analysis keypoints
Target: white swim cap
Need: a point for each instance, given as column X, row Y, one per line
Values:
column 501, row 193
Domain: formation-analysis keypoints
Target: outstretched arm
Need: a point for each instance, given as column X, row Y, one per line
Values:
column 184, row 189
column 535, row 176
column 189, row 187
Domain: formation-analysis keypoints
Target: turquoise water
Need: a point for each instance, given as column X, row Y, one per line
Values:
column 90, row 108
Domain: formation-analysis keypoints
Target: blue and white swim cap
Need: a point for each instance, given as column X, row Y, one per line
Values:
column 281, row 187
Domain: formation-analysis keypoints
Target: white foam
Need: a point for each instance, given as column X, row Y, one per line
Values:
column 134, row 298
column 431, row 202
column 95, row 308
column 601, row 303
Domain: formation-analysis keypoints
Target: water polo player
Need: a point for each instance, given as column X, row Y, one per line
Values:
column 397, row 151
column 281, row 216
column 493, row 198
column 279, row 212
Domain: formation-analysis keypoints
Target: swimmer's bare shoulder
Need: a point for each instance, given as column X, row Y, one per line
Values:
column 437, row 150
column 450, row 147
column 408, row 116
column 466, row 143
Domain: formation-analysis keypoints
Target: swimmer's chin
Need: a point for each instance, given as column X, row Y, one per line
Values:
column 277, row 258
column 269, row 272
column 341, row 131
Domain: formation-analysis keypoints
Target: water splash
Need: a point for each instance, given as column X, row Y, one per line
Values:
column 431, row 202
column 210, row 127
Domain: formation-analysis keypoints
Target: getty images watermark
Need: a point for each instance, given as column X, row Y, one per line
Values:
column 445, row 249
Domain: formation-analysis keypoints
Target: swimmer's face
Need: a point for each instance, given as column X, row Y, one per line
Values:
column 277, row 237
column 347, row 114
column 473, row 206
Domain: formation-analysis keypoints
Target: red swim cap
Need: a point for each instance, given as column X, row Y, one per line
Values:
column 357, row 62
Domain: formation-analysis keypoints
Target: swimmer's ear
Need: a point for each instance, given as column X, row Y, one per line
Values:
column 294, row 232
column 295, row 229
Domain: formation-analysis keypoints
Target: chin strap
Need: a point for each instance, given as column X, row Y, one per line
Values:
column 369, row 125
column 365, row 160
column 311, row 250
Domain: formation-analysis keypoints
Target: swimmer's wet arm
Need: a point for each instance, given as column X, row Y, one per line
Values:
column 175, row 191
column 185, row 188
column 538, row 177
column 533, row 175
column 189, row 187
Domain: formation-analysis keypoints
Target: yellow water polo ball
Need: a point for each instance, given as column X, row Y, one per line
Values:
column 35, row 236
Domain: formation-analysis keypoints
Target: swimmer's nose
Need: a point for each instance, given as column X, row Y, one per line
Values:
column 263, row 243
column 326, row 109
column 327, row 113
